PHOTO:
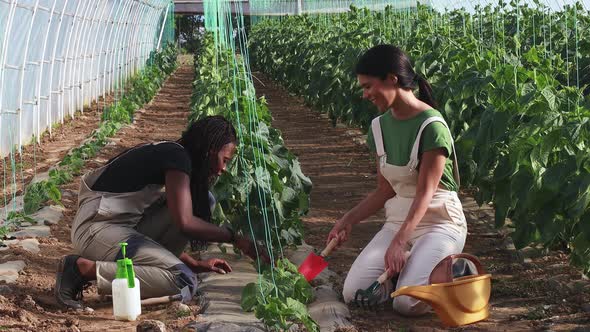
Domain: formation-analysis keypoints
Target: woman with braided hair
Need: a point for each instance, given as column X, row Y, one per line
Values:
column 124, row 201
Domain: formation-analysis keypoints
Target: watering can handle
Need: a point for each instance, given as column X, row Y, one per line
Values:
column 474, row 260
column 443, row 271
column 333, row 243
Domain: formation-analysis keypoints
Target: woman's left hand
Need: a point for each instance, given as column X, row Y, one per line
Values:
column 215, row 265
column 395, row 257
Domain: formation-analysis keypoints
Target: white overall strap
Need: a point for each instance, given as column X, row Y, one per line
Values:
column 413, row 164
column 378, row 136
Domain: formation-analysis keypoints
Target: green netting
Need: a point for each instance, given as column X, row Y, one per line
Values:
column 229, row 33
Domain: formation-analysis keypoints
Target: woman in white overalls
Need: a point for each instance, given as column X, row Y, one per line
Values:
column 417, row 183
column 156, row 198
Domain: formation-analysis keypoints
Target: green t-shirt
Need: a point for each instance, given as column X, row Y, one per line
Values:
column 399, row 137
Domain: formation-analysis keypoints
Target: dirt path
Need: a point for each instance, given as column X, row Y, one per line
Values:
column 529, row 292
column 29, row 304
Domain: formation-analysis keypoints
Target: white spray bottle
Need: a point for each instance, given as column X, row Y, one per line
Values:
column 126, row 298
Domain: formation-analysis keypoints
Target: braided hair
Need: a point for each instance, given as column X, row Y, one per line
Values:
column 203, row 140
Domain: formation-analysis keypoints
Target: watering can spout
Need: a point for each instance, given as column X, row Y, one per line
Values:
column 423, row 293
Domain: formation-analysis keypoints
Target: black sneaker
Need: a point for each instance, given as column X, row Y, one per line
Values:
column 69, row 283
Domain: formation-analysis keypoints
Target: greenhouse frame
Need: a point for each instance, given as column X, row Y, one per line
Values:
column 67, row 54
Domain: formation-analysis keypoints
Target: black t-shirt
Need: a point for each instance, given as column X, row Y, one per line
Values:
column 143, row 165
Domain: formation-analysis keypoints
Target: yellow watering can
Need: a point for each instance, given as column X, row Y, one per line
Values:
column 456, row 301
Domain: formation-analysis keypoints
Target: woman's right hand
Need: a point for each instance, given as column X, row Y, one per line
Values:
column 249, row 248
column 340, row 231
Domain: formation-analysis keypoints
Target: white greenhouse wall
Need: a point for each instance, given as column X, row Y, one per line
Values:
column 57, row 56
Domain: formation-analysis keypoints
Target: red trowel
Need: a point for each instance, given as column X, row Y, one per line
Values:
column 314, row 264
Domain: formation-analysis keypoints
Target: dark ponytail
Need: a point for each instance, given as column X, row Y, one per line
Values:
column 425, row 91
column 382, row 60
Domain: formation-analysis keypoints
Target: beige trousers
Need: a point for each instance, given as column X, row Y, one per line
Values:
column 154, row 244
column 431, row 241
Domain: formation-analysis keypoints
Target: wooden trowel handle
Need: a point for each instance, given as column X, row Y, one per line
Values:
column 333, row 243
column 383, row 277
column 161, row 299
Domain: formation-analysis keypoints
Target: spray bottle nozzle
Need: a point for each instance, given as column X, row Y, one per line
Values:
column 125, row 267
column 123, row 246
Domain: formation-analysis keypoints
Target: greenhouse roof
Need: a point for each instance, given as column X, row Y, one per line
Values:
column 288, row 7
column 292, row 7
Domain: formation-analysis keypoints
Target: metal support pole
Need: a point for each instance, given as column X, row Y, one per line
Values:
column 52, row 69
column 131, row 41
column 113, row 64
column 149, row 35
column 86, row 57
column 118, row 64
column 138, row 37
column 110, row 43
column 144, row 38
column 69, row 62
column 37, row 107
column 154, row 28
column 118, row 79
column 3, row 65
column 66, row 56
column 95, row 57
column 77, row 54
column 22, row 77
column 102, row 55
column 140, row 22
column 132, row 38
column 123, row 56
column 162, row 28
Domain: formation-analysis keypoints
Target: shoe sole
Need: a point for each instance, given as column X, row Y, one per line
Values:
column 59, row 273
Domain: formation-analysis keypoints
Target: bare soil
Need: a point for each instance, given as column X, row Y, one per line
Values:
column 542, row 293
column 39, row 157
column 29, row 305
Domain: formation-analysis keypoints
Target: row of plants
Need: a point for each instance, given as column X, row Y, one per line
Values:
column 279, row 298
column 520, row 121
column 264, row 192
column 139, row 90
column 265, row 185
